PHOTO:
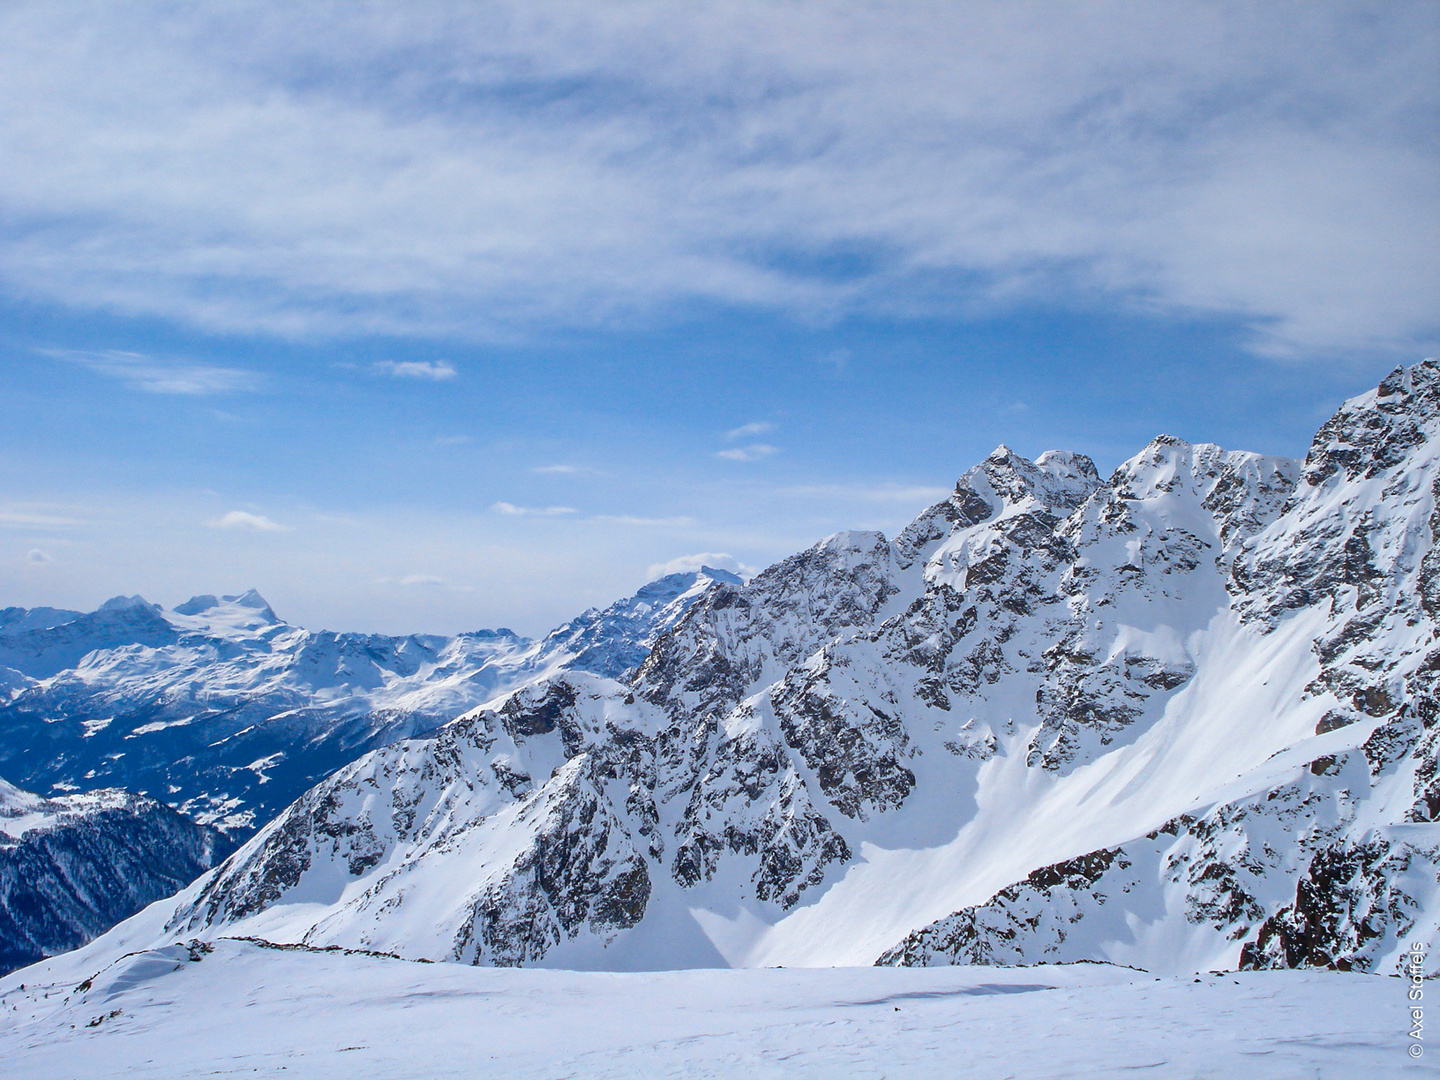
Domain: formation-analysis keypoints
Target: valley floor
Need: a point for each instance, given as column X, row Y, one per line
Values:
column 244, row 1010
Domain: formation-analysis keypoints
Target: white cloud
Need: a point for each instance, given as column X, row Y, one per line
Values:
column 753, row 452
column 17, row 518
column 451, row 440
column 421, row 579
column 902, row 493
column 760, row 427
column 659, row 523
column 566, row 470
column 38, row 556
column 160, row 375
column 1268, row 162
column 436, row 371
column 241, row 519
column 531, row 511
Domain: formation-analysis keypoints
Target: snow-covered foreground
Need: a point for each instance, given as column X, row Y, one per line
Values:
column 246, row 1010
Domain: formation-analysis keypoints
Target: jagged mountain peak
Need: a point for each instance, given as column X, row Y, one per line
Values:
column 1004, row 485
column 1198, row 487
column 1067, row 463
column 613, row 641
column 667, row 588
column 1374, row 431
column 1001, row 455
column 1055, row 483
column 850, row 542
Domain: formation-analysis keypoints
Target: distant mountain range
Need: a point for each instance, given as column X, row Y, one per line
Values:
column 1181, row 718
column 227, row 713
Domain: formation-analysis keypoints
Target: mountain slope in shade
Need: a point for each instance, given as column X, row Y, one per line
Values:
column 228, row 713
column 70, row 868
column 1181, row 718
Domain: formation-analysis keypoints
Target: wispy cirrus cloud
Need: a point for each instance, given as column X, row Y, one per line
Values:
column 505, row 169
column 753, row 452
column 512, row 510
column 432, row 370
column 759, row 427
column 160, row 374
column 680, row 522
column 920, row 495
column 246, row 521
column 566, row 470
column 569, row 512
column 26, row 517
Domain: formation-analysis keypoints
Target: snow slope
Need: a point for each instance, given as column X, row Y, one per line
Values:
column 240, row 1008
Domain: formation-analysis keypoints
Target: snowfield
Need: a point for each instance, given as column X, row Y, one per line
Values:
column 247, row 1010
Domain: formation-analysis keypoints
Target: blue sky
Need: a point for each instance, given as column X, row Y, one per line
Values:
column 447, row 316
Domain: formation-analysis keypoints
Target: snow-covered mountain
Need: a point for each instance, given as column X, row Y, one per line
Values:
column 72, row 867
column 1182, row 718
column 226, row 712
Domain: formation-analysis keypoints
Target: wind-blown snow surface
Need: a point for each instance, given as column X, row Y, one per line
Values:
column 224, row 711
column 243, row 1009
column 1182, row 719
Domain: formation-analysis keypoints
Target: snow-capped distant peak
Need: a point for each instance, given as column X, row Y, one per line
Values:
column 249, row 598
column 18, row 619
column 716, row 574
column 125, row 603
column 245, row 611
column 665, row 589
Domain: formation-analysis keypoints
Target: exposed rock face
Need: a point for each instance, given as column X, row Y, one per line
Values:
column 506, row 834
column 1181, row 718
column 1337, row 867
column 70, row 868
